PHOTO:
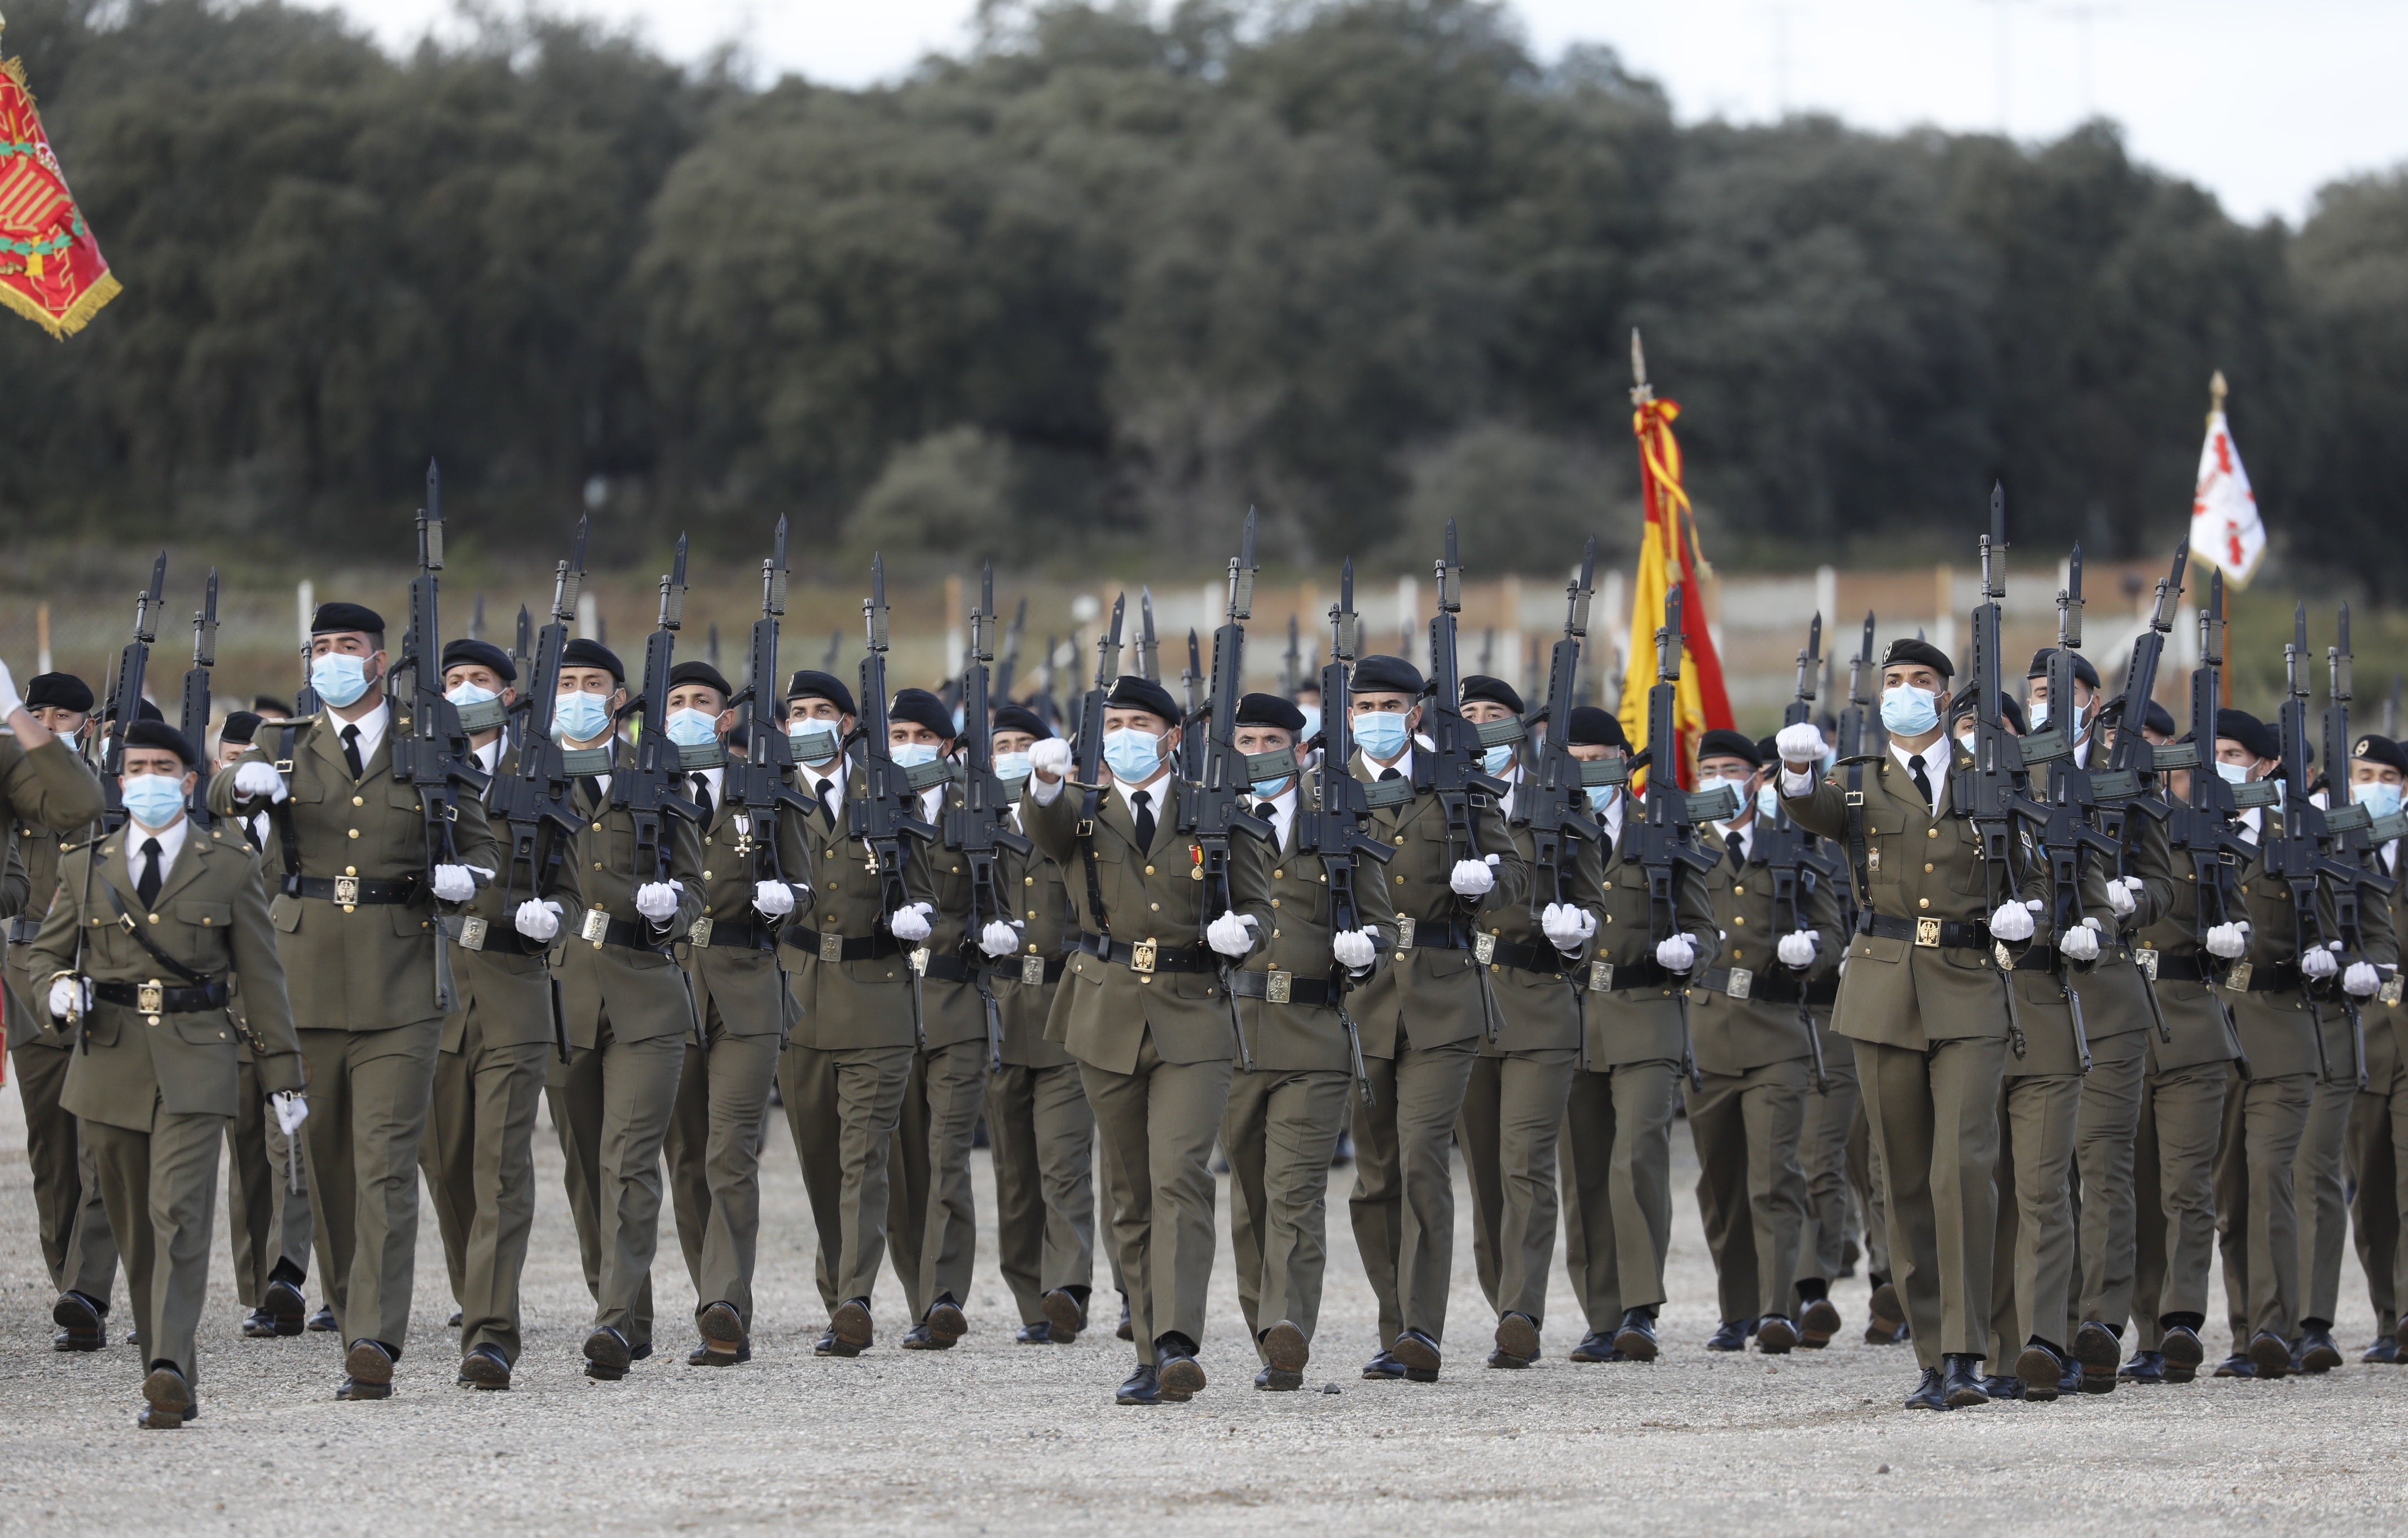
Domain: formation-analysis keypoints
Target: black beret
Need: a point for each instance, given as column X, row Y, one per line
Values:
column 811, row 684
column 2383, row 750
column 1909, row 649
column 2156, row 717
column 465, row 652
column 149, row 712
column 1595, row 728
column 1385, row 674
column 1269, row 710
column 60, row 690
column 2082, row 671
column 1019, row 718
column 334, row 617
column 240, row 726
column 585, row 653
column 268, row 705
column 2250, row 732
column 2010, row 708
column 700, row 672
column 1765, row 752
column 1479, row 685
column 1723, row 743
column 1135, row 693
column 921, row 708
column 156, row 733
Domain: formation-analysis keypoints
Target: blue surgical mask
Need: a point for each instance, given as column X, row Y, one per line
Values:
column 154, row 801
column 465, row 693
column 911, row 755
column 1012, row 766
column 691, row 727
column 815, row 742
column 2234, row 774
column 1265, row 788
column 1601, row 796
column 2382, row 799
column 959, row 718
column 1380, row 733
column 338, row 677
column 1133, row 755
column 1767, row 803
column 1496, row 760
column 1908, row 711
column 579, row 717
column 2039, row 712
column 1312, row 714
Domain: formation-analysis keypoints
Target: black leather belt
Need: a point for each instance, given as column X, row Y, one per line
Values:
column 490, row 939
column 1777, row 988
column 1544, row 960
column 735, row 933
column 2174, row 969
column 151, row 998
column 946, row 968
column 1149, row 955
column 1629, row 976
column 844, row 948
column 2271, row 977
column 351, row 890
column 1277, row 987
column 1944, row 933
column 23, row 930
column 1016, row 969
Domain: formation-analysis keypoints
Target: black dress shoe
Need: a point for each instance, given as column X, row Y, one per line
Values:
column 2097, row 1349
column 721, row 1329
column 1124, row 1333
column 2385, row 1352
column 703, row 1356
column 2237, row 1366
column 323, row 1320
column 1039, row 1333
column 1285, row 1348
column 282, row 1302
column 80, row 1323
column 2270, row 1354
column 1178, row 1376
column 1595, row 1347
column 259, row 1325
column 2041, row 1371
column 1998, row 1388
column 946, row 1322
column 1517, row 1341
column 830, row 1343
column 607, row 1355
column 2145, row 1367
column 1888, row 1311
column 1730, row 1336
column 1144, row 1387
column 921, row 1338
column 1420, row 1354
column 169, row 1398
column 2071, row 1381
column 368, row 1367
column 453, row 1323
column 1636, row 1338
column 1384, row 1368
column 851, row 1322
column 2317, row 1353
column 1878, row 1334
column 1775, row 1335
column 1274, row 1381
column 1817, row 1323
column 2181, row 1354
column 640, row 1353
column 1960, row 1380
column 1928, row 1394
column 1064, row 1315
column 485, row 1367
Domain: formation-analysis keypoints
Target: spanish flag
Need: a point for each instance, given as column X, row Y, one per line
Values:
column 51, row 271
column 1669, row 557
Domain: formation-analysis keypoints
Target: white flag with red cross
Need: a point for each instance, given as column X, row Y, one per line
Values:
column 2225, row 529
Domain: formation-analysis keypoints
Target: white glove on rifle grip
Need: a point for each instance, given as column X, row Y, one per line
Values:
column 292, row 1108
column 2124, row 895
column 454, row 884
column 774, row 899
column 2228, row 941
column 1049, row 758
column 2081, row 941
column 998, row 939
column 1567, row 926
column 658, row 900
column 1472, row 878
column 910, row 921
column 2320, row 963
column 1801, row 743
column 255, row 780
column 537, row 921
column 2360, row 981
column 1354, row 948
column 2012, row 923
column 1796, row 947
column 1677, row 954
column 64, row 1000
column 1232, row 935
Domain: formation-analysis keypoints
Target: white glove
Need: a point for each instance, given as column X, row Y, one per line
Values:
column 2229, row 940
column 537, row 921
column 1568, row 928
column 64, row 1000
column 2081, row 941
column 774, row 899
column 292, row 1108
column 1354, row 948
column 1232, row 935
column 658, row 900
column 255, row 780
column 2360, row 980
column 2124, row 895
column 909, row 921
column 1796, row 947
column 2012, row 923
column 1049, row 758
column 453, row 884
column 2319, row 965
column 1800, row 744
column 1472, row 878
column 998, row 939
column 1677, row 954
column 11, row 700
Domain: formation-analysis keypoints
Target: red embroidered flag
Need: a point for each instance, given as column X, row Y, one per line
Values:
column 51, row 271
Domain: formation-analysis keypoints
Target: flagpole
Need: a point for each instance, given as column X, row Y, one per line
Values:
column 2217, row 390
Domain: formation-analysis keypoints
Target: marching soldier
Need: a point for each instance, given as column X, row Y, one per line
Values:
column 133, row 961
column 356, row 916
column 1753, row 1055
column 843, row 1073
column 623, row 1003
column 478, row 1151
column 1617, row 1174
column 1512, row 1113
column 1286, row 1107
column 52, row 799
column 2378, row 1118
column 1146, row 1018
column 1043, row 1134
column 745, row 1011
column 1421, row 1020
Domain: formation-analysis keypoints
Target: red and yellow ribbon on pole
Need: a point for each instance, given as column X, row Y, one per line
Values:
column 51, row 271
column 1670, row 556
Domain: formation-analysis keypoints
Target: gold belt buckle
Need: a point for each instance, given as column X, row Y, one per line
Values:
column 1600, row 977
column 1741, row 979
column 1405, row 934
column 2237, row 979
column 151, row 998
column 1926, row 933
column 1032, row 971
column 1872, row 862
column 596, row 926
column 472, row 933
column 1141, row 956
column 831, row 946
column 1484, row 947
column 2389, row 993
column 2145, row 958
column 1278, row 987
column 347, row 890
column 698, row 932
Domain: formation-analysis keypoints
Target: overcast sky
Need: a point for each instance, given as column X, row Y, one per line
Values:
column 2261, row 103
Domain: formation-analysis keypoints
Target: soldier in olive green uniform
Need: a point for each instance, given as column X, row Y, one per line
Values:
column 1618, row 1171
column 1754, row 1060
column 133, row 961
column 624, row 1002
column 1146, row 1018
column 844, row 1070
column 1512, row 1113
column 2378, row 1118
column 1288, row 1103
column 478, row 1151
column 740, row 998
column 1423, row 1017
column 52, row 800
column 1041, row 1132
column 356, row 912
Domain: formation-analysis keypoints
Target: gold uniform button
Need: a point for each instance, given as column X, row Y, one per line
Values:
column 154, row 918
column 1278, row 876
column 1738, row 955
column 705, row 838
column 359, row 801
column 1149, row 870
column 1738, row 890
column 1032, row 913
column 350, row 870
column 1400, row 841
column 1274, row 935
column 1931, row 833
column 1155, row 906
column 1275, row 902
column 1923, row 902
column 1739, row 920
column 705, row 875
column 1400, row 881
column 1146, row 980
column 1927, row 870
column 205, row 923
column 598, row 864
column 598, row 827
column 351, row 833
column 1029, row 880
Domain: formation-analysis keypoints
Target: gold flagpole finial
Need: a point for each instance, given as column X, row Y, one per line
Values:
column 2215, row 393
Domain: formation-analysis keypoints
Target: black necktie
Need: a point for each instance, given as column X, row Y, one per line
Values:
column 828, row 800
column 592, row 784
column 1738, row 846
column 1922, row 781
column 1390, row 773
column 702, row 795
column 1142, row 814
column 145, row 886
column 351, row 751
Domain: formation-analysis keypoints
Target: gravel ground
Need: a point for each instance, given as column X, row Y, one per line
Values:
column 998, row 1436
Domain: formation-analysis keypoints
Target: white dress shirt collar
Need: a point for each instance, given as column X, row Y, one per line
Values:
column 372, row 730
column 171, row 844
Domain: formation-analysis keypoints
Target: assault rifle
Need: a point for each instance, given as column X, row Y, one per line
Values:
column 2129, row 781
column 2296, row 856
column 125, row 694
column 1087, row 756
column 1290, row 665
column 1666, row 840
column 1332, row 830
column 1192, row 677
column 890, row 810
column 522, row 650
column 2199, row 827
column 1451, row 769
column 195, row 720
column 982, row 824
column 2348, row 866
column 653, row 790
column 1851, row 747
column 1795, row 858
column 1149, row 654
column 761, row 784
column 1551, row 801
